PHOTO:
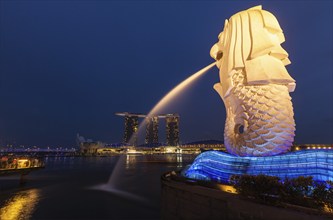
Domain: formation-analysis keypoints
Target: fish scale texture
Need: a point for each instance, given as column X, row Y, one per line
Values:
column 260, row 118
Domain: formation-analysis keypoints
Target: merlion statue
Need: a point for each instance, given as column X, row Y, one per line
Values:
column 254, row 84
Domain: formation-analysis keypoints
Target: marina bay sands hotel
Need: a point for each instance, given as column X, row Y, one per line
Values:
column 132, row 123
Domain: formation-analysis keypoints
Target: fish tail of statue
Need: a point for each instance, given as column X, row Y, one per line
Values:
column 259, row 119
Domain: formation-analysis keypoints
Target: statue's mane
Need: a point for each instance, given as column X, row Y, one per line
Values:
column 251, row 41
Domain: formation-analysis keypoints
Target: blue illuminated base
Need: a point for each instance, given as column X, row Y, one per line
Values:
column 219, row 166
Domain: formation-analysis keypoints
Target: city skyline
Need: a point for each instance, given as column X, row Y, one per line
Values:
column 67, row 67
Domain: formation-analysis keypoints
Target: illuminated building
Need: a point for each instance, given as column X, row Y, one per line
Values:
column 131, row 127
column 152, row 130
column 88, row 146
column 132, row 122
column 172, row 129
column 220, row 166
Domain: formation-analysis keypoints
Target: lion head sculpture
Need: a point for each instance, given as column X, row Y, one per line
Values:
column 251, row 40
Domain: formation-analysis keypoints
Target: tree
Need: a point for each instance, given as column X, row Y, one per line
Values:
column 260, row 187
column 296, row 190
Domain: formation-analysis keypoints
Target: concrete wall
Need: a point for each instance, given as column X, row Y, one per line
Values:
column 188, row 201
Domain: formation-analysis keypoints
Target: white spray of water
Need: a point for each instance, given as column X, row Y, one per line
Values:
column 179, row 88
column 116, row 172
column 111, row 185
column 173, row 93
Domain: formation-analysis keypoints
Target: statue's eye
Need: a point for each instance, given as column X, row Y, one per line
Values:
column 219, row 55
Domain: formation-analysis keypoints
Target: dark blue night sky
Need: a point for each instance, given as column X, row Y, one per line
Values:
column 67, row 66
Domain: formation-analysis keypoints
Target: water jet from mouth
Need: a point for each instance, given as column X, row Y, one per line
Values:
column 111, row 185
column 173, row 94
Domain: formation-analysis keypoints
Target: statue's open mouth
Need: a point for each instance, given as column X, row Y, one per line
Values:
column 216, row 53
column 219, row 55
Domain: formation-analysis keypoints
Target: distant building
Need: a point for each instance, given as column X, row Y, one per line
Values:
column 131, row 128
column 151, row 130
column 132, row 123
column 88, row 147
column 204, row 145
column 172, row 129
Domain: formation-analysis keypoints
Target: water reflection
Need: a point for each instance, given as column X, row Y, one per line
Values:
column 179, row 160
column 173, row 159
column 131, row 165
column 131, row 160
column 112, row 186
column 21, row 205
column 132, row 193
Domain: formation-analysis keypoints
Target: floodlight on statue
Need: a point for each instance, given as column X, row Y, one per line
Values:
column 254, row 84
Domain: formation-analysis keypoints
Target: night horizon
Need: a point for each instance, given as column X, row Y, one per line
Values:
column 68, row 67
